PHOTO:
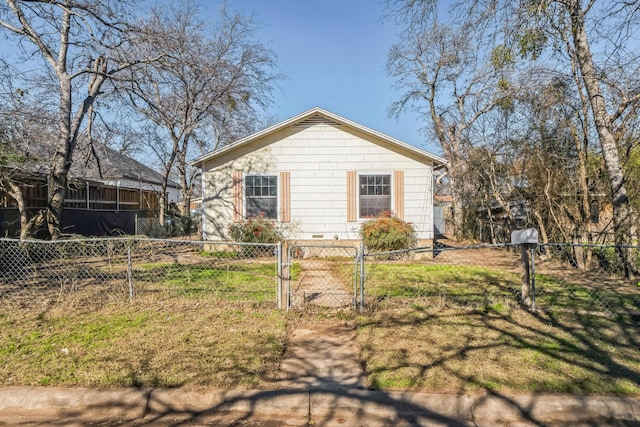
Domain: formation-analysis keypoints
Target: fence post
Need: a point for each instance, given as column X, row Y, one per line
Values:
column 130, row 271
column 285, row 298
column 533, row 277
column 361, row 253
column 528, row 240
column 526, row 275
column 279, row 274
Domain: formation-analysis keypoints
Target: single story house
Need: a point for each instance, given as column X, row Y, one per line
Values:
column 320, row 176
column 107, row 191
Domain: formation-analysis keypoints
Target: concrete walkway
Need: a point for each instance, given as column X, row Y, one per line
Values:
column 320, row 384
column 317, row 285
column 322, row 356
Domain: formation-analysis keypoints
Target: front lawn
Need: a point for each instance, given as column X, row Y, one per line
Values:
column 228, row 280
column 457, row 351
column 175, row 343
column 459, row 329
column 429, row 327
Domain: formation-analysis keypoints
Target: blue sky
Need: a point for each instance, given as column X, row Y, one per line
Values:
column 333, row 54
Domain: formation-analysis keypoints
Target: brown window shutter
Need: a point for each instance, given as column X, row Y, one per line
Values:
column 285, row 197
column 352, row 196
column 237, row 196
column 398, row 194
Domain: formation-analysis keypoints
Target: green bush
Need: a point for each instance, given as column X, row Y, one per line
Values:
column 609, row 260
column 257, row 229
column 386, row 232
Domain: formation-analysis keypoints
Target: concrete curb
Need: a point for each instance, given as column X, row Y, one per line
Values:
column 24, row 405
column 439, row 409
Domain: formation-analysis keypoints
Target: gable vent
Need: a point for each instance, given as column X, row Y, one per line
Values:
column 316, row 120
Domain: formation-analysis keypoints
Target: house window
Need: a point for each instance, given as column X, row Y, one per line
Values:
column 375, row 194
column 261, row 195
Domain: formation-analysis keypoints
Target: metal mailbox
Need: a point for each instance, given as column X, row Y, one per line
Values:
column 528, row 236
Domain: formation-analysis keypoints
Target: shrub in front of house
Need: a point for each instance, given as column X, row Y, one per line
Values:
column 386, row 232
column 257, row 229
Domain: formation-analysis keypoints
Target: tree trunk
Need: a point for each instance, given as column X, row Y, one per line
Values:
column 162, row 205
column 622, row 212
column 544, row 237
column 15, row 192
column 61, row 162
column 585, row 208
column 450, row 143
column 186, row 185
column 457, row 214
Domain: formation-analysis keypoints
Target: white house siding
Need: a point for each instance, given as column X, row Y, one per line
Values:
column 318, row 158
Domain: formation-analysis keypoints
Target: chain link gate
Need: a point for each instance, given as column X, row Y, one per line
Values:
column 321, row 276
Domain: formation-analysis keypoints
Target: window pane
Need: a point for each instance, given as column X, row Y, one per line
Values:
column 375, row 194
column 261, row 196
column 267, row 206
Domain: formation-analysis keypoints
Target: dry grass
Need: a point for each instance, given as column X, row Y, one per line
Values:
column 176, row 343
column 446, row 329
column 223, row 344
column 456, row 351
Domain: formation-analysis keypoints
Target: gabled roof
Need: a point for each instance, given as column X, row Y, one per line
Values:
column 103, row 163
column 319, row 115
column 100, row 164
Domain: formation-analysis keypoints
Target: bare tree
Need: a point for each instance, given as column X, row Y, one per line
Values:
column 604, row 122
column 11, row 162
column 211, row 81
column 74, row 41
column 442, row 72
column 606, row 79
column 25, row 127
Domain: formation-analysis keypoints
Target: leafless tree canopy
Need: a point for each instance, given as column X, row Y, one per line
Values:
column 205, row 90
column 192, row 85
column 67, row 49
column 534, row 105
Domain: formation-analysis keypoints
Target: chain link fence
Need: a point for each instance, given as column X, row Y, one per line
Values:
column 598, row 288
column 87, row 272
column 490, row 277
column 150, row 227
column 472, row 277
column 174, row 226
column 321, row 276
column 482, row 277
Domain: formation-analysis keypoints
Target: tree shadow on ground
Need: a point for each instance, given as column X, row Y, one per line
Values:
column 580, row 351
column 335, row 407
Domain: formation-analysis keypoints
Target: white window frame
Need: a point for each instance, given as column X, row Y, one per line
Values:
column 245, row 201
column 358, row 195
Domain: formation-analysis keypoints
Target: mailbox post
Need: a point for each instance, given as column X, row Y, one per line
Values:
column 528, row 241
